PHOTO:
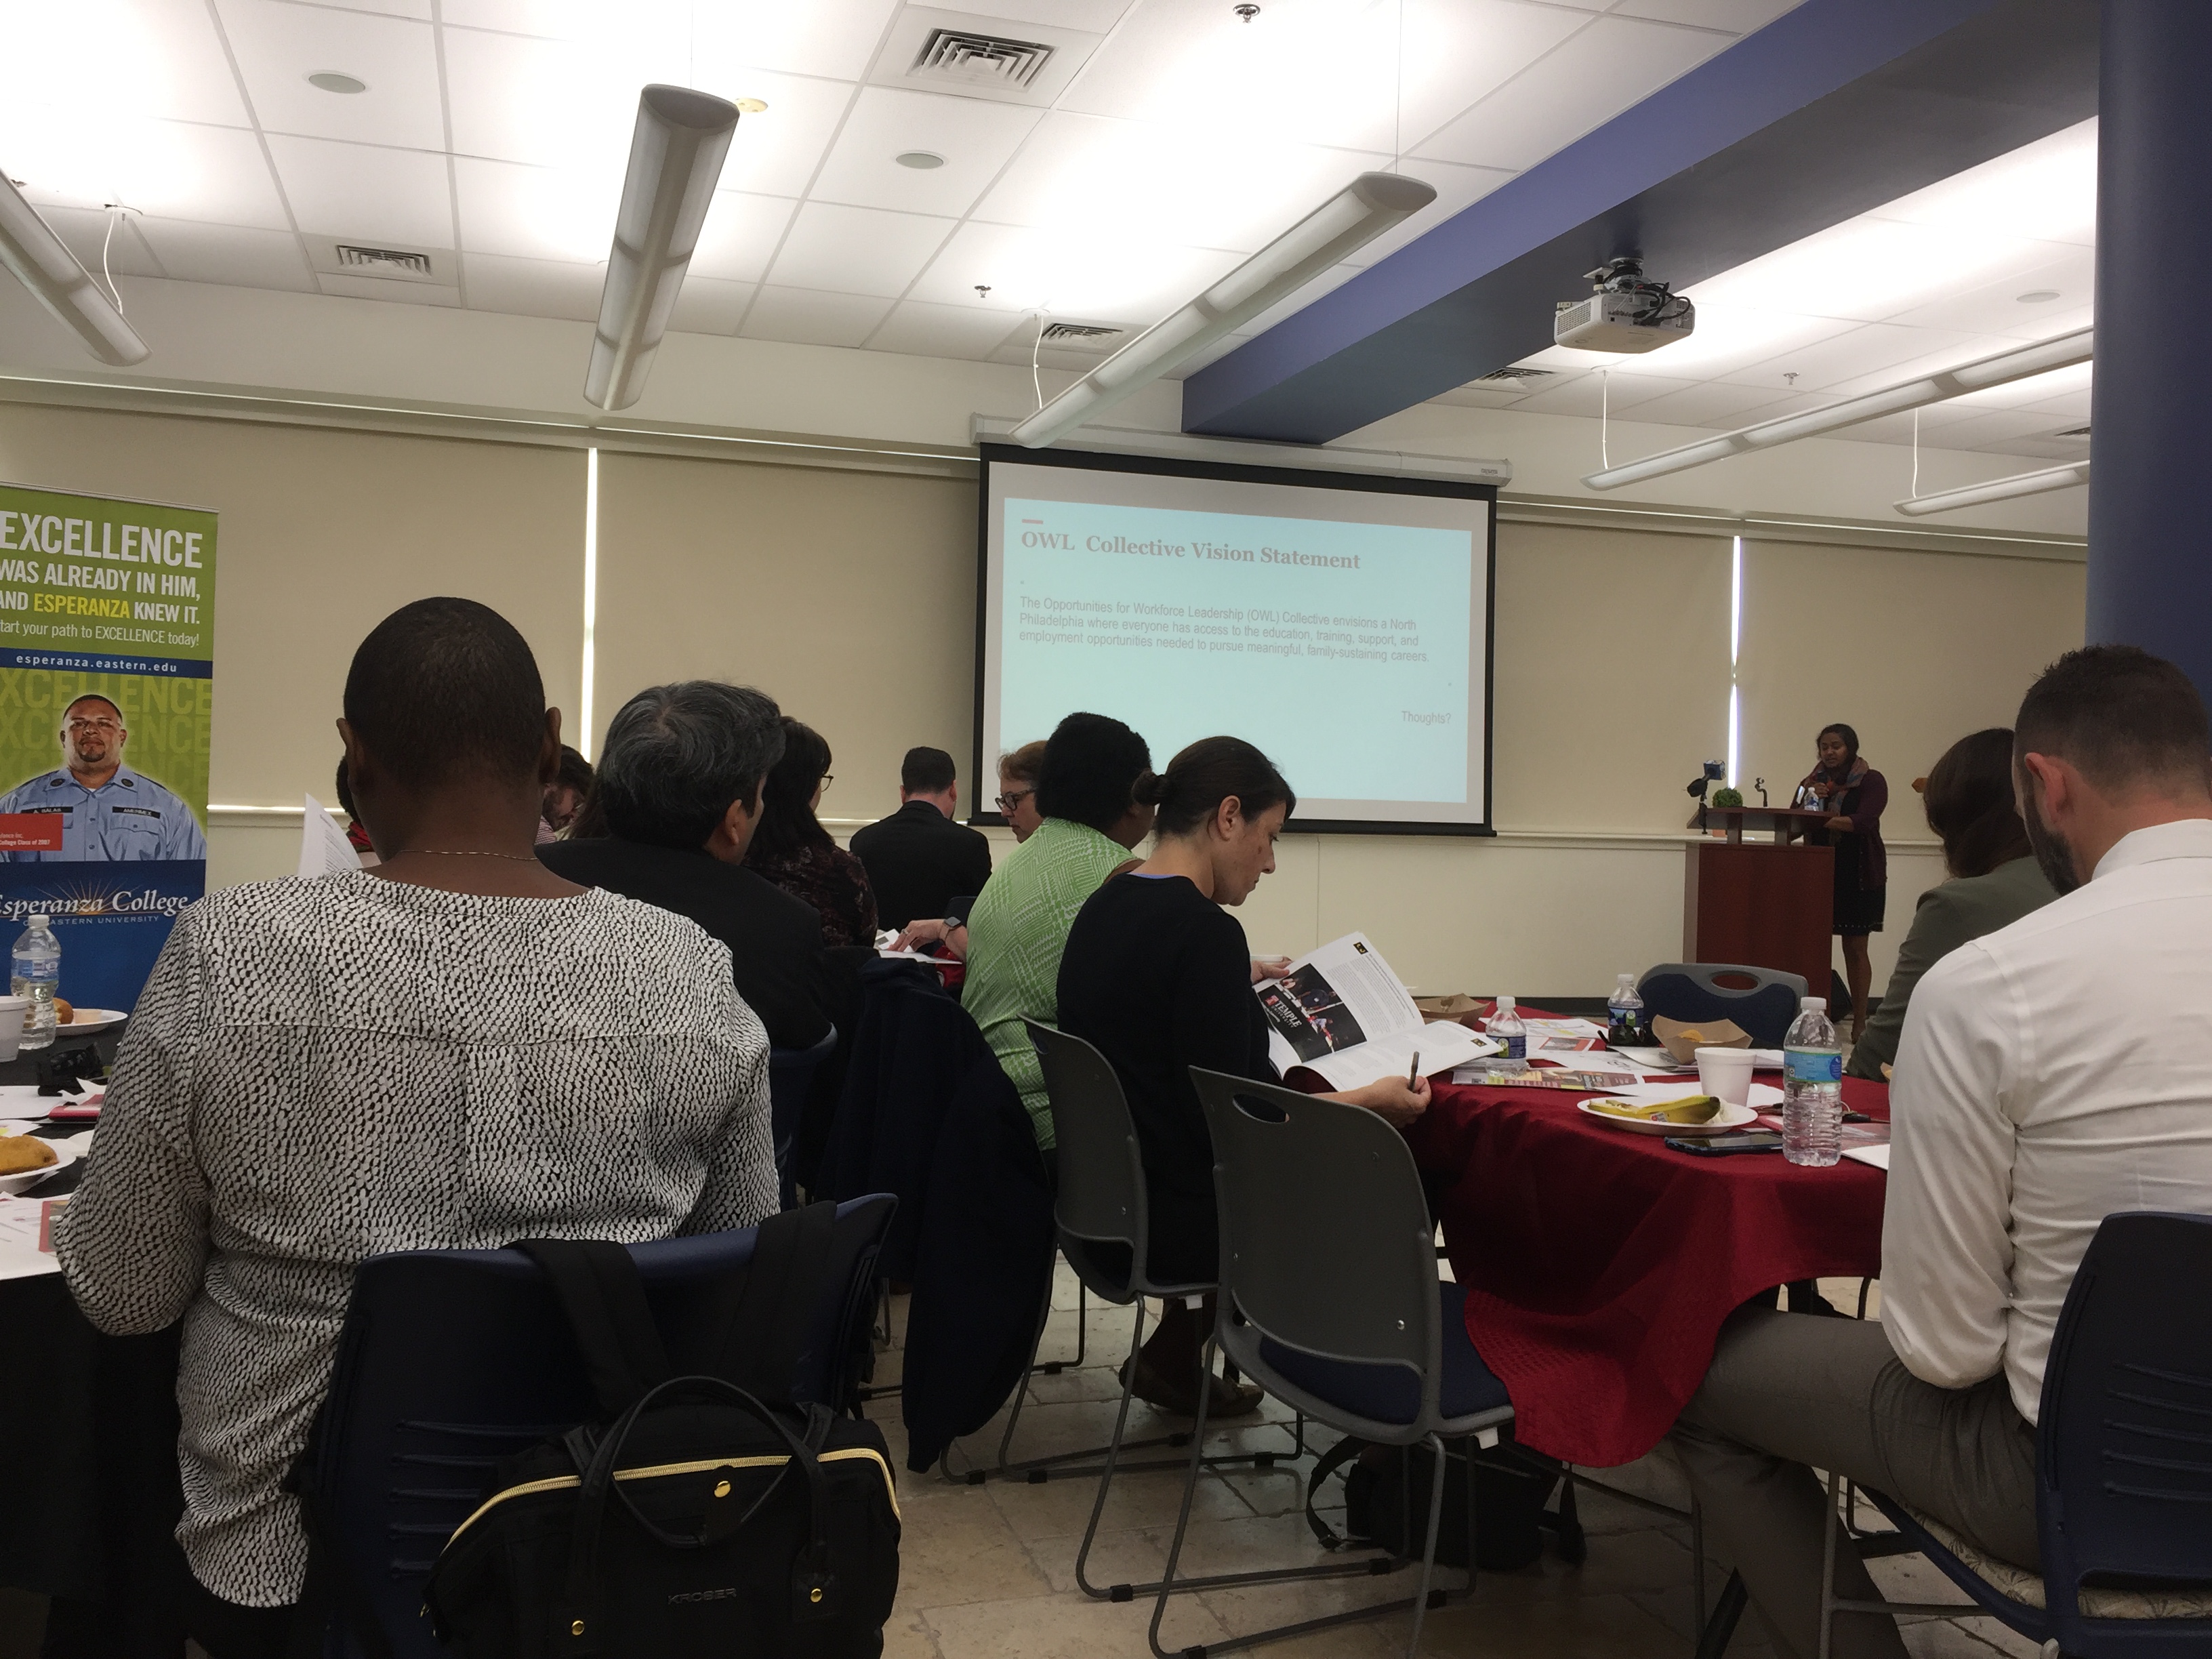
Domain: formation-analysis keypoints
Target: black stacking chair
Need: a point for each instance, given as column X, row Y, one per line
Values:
column 1330, row 1301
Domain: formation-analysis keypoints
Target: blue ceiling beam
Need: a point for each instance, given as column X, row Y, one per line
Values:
column 1834, row 108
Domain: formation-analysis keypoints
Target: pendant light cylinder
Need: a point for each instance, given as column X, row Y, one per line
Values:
column 43, row 264
column 676, row 157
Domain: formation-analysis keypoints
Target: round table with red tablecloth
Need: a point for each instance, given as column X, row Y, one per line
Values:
column 1600, row 1265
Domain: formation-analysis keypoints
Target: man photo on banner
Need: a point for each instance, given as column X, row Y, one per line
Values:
column 109, row 813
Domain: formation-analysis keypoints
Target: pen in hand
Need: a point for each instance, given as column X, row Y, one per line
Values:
column 1414, row 1072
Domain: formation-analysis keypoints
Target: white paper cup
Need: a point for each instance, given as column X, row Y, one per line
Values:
column 13, row 1010
column 1725, row 1075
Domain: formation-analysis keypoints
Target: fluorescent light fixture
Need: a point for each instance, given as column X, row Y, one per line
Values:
column 2019, row 364
column 1354, row 216
column 29, row 248
column 1997, row 490
column 676, row 155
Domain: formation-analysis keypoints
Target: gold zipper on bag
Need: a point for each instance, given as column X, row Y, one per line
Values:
column 557, row 1482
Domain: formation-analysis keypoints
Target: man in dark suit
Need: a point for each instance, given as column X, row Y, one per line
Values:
column 922, row 858
column 679, row 786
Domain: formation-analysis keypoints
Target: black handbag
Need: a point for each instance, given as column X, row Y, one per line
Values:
column 702, row 1518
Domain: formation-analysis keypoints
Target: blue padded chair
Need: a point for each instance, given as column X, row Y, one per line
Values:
column 1764, row 1001
column 790, row 1075
column 1330, row 1301
column 450, row 1360
column 2123, row 1464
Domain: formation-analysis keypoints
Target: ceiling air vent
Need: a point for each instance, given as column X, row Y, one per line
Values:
column 974, row 60
column 1508, row 375
column 382, row 261
column 2070, row 432
column 1081, row 336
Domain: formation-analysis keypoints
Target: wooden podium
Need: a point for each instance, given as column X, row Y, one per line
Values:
column 1767, row 904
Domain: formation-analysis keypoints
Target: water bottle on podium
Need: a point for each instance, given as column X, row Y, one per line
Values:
column 1812, row 1087
column 37, row 975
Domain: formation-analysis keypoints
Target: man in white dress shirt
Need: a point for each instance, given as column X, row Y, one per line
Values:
column 2049, row 1074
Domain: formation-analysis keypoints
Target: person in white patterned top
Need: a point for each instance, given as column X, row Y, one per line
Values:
column 456, row 1049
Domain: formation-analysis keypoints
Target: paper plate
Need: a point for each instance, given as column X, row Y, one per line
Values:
column 64, row 1157
column 1729, row 1117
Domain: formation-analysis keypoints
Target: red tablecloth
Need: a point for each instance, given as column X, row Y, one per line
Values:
column 1600, row 1265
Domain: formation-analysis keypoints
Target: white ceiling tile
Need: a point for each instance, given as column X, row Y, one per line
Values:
column 922, row 329
column 1716, row 405
column 231, row 254
column 851, row 250
column 88, row 81
column 1996, row 307
column 187, row 171
column 699, row 45
column 1996, row 426
column 84, row 233
column 279, row 46
column 974, row 137
column 1739, row 16
column 532, row 287
column 1115, row 179
column 2044, row 191
column 1313, row 71
column 1868, row 269
column 535, row 213
column 809, row 317
column 419, row 9
column 1609, row 64
column 1091, row 16
column 740, row 235
column 1084, row 274
column 366, row 193
column 383, row 288
column 1595, row 394
column 1871, row 352
column 193, row 80
column 706, row 306
column 776, row 152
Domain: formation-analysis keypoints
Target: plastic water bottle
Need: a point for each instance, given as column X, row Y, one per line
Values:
column 1625, row 1015
column 38, row 975
column 1505, row 1027
column 1812, row 1088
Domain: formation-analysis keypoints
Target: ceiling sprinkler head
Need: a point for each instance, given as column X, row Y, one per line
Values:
column 1247, row 11
column 983, row 290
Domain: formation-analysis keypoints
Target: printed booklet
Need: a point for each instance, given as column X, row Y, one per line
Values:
column 1340, row 1013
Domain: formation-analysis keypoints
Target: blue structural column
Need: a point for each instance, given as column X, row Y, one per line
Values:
column 2150, row 490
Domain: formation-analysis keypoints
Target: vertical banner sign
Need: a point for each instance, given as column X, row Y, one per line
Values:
column 106, row 689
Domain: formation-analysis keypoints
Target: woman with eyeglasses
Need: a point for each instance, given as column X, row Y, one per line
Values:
column 1017, row 781
column 791, row 849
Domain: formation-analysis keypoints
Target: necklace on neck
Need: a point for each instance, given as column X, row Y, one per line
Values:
column 464, row 852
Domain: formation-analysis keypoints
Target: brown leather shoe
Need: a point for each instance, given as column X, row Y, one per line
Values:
column 1178, row 1397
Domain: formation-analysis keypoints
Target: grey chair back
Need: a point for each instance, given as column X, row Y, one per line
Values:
column 1102, row 1173
column 1326, row 1244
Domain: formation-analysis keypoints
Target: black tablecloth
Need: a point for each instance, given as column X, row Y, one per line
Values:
column 90, row 1428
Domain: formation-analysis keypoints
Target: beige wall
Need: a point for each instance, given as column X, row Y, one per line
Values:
column 848, row 597
column 322, row 534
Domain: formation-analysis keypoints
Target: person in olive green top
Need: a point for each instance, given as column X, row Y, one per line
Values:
column 1995, row 880
column 1085, row 791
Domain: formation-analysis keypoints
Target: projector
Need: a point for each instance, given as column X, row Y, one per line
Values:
column 1625, row 313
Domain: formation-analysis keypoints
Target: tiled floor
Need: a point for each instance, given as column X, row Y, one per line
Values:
column 988, row 1571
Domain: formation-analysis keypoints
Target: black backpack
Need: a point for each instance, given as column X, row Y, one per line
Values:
column 698, row 1516
column 1384, row 1487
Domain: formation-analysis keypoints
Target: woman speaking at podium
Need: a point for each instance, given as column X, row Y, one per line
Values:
column 1855, row 796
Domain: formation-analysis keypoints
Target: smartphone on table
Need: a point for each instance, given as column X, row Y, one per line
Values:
column 1741, row 1141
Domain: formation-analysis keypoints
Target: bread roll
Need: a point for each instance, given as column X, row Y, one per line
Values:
column 62, row 1012
column 21, row 1153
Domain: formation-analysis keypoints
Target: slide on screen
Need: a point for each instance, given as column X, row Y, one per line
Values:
column 1340, row 621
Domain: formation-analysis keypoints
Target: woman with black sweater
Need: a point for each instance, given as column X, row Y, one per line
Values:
column 1158, row 976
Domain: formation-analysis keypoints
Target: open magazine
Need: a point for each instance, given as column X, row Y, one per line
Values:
column 1340, row 1013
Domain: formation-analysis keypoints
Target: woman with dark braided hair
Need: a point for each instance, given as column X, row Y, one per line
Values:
column 1855, row 796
